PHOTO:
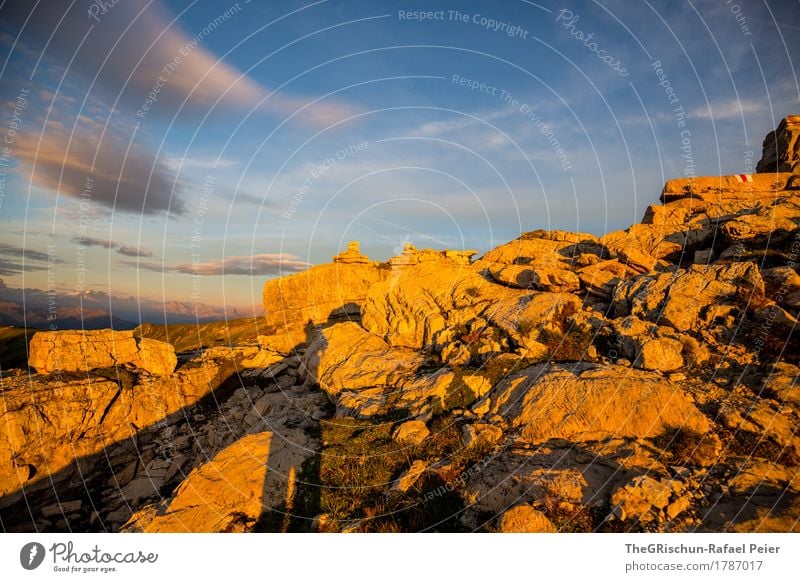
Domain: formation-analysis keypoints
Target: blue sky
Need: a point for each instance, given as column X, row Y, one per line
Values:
column 225, row 143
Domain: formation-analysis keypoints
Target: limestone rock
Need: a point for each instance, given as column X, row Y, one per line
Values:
column 584, row 402
column 82, row 351
column 321, row 293
column 784, row 380
column 416, row 302
column 760, row 418
column 643, row 498
column 412, row 431
column 410, row 476
column 525, row 519
column 662, row 354
column 352, row 255
column 43, row 415
column 781, row 149
column 688, row 299
column 347, row 357
column 543, row 260
column 561, row 472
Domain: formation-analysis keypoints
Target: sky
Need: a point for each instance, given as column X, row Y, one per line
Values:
column 188, row 151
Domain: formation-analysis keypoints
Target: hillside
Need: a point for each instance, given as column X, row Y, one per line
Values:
column 645, row 380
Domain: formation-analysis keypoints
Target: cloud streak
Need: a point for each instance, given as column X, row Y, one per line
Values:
column 126, row 250
column 105, row 171
column 134, row 48
column 265, row 264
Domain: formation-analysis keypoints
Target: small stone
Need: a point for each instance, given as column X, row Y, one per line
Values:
column 678, row 506
column 525, row 519
column 408, row 478
column 412, row 432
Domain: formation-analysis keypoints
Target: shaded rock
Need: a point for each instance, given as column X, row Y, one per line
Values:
column 44, row 414
column 643, row 498
column 580, row 474
column 82, row 351
column 784, row 381
column 525, row 519
column 781, row 148
column 229, row 493
column 761, row 419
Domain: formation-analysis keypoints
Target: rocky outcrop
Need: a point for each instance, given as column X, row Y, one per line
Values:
column 586, row 402
column 319, row 294
column 50, row 421
column 692, row 298
column 82, row 351
column 781, row 149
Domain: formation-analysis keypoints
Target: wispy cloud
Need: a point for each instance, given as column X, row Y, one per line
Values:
column 123, row 249
column 13, row 265
column 253, row 265
column 731, row 109
column 136, row 49
column 105, row 171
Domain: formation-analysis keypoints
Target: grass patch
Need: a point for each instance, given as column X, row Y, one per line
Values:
column 687, row 448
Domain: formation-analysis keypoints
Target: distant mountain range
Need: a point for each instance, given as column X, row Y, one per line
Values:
column 31, row 307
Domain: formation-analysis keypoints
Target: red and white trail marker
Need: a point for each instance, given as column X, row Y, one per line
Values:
column 744, row 178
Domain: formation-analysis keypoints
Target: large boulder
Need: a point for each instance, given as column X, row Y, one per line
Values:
column 345, row 356
column 82, row 351
column 584, row 402
column 317, row 295
column 542, row 260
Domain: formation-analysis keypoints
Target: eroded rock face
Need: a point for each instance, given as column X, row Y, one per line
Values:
column 690, row 298
column 82, row 351
column 543, row 260
column 585, row 402
column 321, row 293
column 781, row 149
